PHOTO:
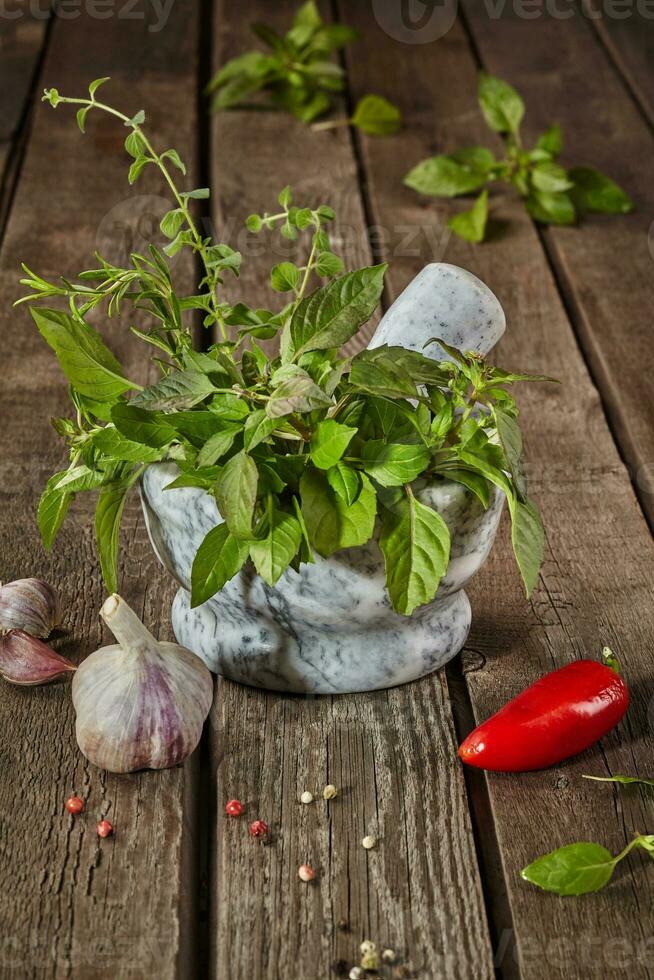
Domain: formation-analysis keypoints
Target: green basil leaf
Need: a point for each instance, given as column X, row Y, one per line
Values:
column 551, row 141
column 471, row 225
column 53, row 507
column 328, row 443
column 392, row 464
column 331, row 523
column 511, row 441
column 273, row 554
column 501, row 105
column 575, row 869
column 549, row 176
column 257, row 428
column 89, row 366
column 551, row 208
column 108, row 515
column 376, row 116
column 444, row 176
column 217, row 446
column 236, row 493
column 178, row 390
column 112, row 444
column 473, row 481
column 594, row 191
column 139, row 425
column 334, row 312
column 345, row 481
column 528, row 540
column 218, row 559
column 415, row 542
column 378, row 372
column 297, row 393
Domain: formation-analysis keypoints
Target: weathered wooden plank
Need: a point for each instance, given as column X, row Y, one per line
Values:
column 604, row 266
column 73, row 905
column 594, row 587
column 391, row 753
column 22, row 40
column 630, row 43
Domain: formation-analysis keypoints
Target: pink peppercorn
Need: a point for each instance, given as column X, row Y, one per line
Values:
column 104, row 828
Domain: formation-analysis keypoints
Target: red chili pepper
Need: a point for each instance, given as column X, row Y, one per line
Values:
column 560, row 715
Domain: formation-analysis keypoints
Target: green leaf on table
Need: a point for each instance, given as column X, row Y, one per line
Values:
column 551, row 141
column 446, row 176
column 392, row 464
column 501, row 105
column 471, row 225
column 328, row 443
column 218, row 559
column 594, row 191
column 551, row 208
column 284, row 277
column 415, row 543
column 333, row 313
column 298, row 392
column 376, row 116
column 236, row 493
column 273, row 553
column 575, row 869
column 331, row 523
column 625, row 780
column 550, row 176
column 345, row 481
column 140, row 425
column 89, row 366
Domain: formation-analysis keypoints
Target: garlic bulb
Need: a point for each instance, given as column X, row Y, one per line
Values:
column 29, row 604
column 26, row 660
column 142, row 703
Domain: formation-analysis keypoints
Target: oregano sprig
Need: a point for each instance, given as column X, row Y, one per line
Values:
column 552, row 193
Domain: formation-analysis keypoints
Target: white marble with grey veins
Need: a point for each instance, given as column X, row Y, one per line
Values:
column 447, row 302
column 329, row 628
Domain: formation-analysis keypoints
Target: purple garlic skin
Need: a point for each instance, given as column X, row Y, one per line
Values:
column 26, row 660
column 142, row 703
column 30, row 605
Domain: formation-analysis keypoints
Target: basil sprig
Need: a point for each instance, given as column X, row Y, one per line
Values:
column 299, row 75
column 578, row 869
column 552, row 194
column 306, row 452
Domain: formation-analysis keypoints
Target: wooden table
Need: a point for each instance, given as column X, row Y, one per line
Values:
column 181, row 890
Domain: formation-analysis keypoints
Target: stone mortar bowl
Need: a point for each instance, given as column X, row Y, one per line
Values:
column 329, row 628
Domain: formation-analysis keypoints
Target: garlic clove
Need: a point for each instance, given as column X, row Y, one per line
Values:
column 30, row 605
column 142, row 703
column 26, row 660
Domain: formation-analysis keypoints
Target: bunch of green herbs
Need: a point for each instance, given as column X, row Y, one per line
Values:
column 306, row 452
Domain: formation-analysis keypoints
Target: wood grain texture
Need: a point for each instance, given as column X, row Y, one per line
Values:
column 595, row 583
column 630, row 43
column 605, row 265
column 391, row 754
column 74, row 905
